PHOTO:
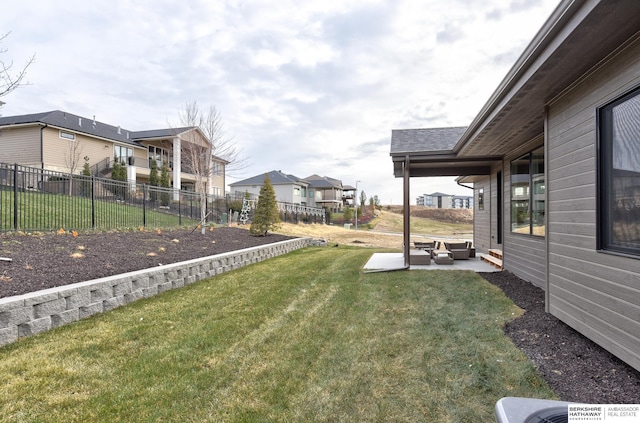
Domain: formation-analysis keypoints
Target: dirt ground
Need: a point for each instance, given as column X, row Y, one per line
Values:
column 46, row 260
column 576, row 368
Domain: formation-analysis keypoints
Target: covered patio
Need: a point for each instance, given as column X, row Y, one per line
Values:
column 431, row 152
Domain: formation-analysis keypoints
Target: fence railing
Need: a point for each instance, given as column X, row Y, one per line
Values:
column 34, row 199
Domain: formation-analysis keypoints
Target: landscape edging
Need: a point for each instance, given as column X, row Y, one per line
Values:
column 36, row 312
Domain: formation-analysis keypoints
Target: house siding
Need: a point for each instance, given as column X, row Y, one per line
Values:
column 56, row 150
column 596, row 293
column 482, row 218
column 523, row 255
column 21, row 145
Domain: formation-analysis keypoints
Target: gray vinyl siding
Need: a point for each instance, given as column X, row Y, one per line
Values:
column 482, row 218
column 596, row 293
column 21, row 145
column 523, row 255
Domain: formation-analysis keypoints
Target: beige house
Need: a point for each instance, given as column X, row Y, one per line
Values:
column 554, row 159
column 61, row 141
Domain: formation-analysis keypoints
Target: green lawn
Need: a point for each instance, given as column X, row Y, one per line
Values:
column 46, row 212
column 301, row 337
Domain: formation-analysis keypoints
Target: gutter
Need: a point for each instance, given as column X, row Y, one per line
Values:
column 463, row 185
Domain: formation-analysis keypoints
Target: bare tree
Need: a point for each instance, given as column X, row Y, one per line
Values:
column 72, row 160
column 198, row 155
column 197, row 152
column 9, row 80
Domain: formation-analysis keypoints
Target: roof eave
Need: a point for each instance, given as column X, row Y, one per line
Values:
column 536, row 49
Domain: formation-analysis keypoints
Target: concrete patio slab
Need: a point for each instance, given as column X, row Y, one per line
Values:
column 380, row 262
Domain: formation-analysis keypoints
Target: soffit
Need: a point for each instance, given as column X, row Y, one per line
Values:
column 516, row 111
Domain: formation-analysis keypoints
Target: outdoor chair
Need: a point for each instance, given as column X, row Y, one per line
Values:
column 426, row 246
column 460, row 250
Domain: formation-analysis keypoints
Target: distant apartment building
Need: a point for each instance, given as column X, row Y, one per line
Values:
column 439, row 200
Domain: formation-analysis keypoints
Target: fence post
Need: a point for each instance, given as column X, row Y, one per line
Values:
column 15, row 196
column 93, row 202
column 144, row 205
column 180, row 209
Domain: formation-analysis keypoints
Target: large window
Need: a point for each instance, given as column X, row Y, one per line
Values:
column 619, row 177
column 123, row 154
column 528, row 194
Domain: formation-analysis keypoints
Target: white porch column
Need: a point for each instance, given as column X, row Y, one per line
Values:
column 131, row 177
column 177, row 168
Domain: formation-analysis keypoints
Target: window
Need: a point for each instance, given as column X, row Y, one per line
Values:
column 67, row 135
column 619, row 175
column 296, row 191
column 218, row 168
column 481, row 199
column 428, row 201
column 124, row 154
column 528, row 194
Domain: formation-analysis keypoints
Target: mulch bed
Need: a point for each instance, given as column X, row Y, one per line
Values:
column 576, row 368
column 46, row 260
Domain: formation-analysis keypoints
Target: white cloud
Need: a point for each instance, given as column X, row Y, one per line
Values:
column 305, row 87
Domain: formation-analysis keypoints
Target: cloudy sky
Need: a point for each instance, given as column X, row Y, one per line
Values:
column 302, row 86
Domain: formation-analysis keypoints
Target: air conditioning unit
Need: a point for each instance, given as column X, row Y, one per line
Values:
column 531, row 410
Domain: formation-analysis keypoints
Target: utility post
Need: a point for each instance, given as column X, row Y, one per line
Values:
column 355, row 200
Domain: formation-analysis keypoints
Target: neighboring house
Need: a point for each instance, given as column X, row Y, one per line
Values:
column 313, row 191
column 349, row 196
column 47, row 140
column 288, row 188
column 329, row 192
column 554, row 157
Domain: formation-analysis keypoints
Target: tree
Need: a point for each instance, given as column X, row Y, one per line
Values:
column 376, row 202
column 9, row 81
column 165, row 182
column 347, row 215
column 153, row 181
column 86, row 172
column 197, row 153
column 86, row 168
column 266, row 216
column 363, row 199
column 119, row 173
column 72, row 159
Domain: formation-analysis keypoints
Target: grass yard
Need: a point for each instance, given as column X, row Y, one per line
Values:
column 50, row 212
column 302, row 337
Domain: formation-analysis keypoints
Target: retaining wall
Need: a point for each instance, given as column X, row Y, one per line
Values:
column 36, row 312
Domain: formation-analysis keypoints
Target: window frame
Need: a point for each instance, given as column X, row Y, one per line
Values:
column 605, row 194
column 69, row 136
column 532, row 182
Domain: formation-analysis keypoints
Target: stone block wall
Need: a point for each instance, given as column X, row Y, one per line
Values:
column 36, row 312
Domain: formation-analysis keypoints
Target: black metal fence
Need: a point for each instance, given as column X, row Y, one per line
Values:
column 34, row 199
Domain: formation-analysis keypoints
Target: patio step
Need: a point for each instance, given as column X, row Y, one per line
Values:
column 494, row 252
column 492, row 259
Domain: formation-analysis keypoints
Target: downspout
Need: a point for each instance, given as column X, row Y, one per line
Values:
column 407, row 213
column 547, row 296
column 42, row 144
